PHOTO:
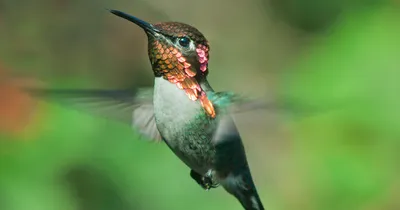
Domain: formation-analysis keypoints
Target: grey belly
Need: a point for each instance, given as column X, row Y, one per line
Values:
column 184, row 125
column 193, row 146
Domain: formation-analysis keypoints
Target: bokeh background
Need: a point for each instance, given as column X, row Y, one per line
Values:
column 339, row 57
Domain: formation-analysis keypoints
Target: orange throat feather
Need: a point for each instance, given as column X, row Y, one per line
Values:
column 174, row 68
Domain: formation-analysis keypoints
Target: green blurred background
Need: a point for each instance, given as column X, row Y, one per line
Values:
column 341, row 57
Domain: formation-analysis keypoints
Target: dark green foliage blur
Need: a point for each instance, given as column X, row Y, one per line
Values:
column 339, row 57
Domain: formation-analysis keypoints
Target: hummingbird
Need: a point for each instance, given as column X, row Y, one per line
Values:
column 182, row 109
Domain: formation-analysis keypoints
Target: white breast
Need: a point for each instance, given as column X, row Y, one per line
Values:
column 172, row 107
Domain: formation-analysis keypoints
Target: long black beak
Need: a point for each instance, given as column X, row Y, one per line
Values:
column 149, row 28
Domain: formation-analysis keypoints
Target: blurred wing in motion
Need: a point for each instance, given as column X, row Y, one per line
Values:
column 239, row 104
column 263, row 114
column 132, row 107
column 135, row 107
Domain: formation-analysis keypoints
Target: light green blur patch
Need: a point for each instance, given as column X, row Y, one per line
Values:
column 348, row 151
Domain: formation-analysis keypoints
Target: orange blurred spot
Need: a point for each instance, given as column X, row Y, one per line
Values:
column 16, row 106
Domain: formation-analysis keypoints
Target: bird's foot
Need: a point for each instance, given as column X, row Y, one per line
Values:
column 206, row 181
column 209, row 181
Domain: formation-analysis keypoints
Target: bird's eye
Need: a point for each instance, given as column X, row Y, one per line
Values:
column 184, row 41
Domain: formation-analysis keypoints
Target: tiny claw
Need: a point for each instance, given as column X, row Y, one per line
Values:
column 208, row 180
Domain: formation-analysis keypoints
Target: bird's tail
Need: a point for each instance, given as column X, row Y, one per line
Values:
column 250, row 201
column 243, row 188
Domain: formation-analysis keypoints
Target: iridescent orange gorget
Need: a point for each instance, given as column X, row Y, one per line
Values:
column 173, row 63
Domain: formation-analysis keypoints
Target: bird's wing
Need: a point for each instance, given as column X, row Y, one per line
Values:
column 234, row 109
column 238, row 104
column 228, row 105
column 132, row 107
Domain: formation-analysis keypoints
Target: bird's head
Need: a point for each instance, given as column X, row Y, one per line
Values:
column 179, row 53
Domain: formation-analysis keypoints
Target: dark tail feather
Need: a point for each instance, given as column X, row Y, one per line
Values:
column 243, row 188
column 249, row 200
